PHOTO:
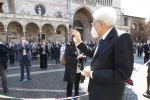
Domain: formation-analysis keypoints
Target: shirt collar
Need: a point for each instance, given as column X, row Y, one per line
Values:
column 105, row 35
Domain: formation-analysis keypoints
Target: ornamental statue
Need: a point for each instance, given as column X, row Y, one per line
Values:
column 5, row 7
column 39, row 11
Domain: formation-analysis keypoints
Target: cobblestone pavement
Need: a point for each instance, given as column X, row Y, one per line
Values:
column 49, row 83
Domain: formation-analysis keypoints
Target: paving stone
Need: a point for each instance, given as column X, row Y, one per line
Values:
column 54, row 81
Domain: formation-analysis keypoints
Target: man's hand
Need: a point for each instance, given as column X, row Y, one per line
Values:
column 77, row 37
column 24, row 44
column 86, row 73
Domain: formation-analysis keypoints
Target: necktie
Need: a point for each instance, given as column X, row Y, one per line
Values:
column 99, row 44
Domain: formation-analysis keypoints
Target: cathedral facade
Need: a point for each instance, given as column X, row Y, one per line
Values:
column 51, row 20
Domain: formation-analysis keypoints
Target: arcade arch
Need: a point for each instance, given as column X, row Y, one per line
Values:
column 61, row 33
column 82, row 22
column 14, row 31
column 32, row 32
column 48, row 32
column 2, row 32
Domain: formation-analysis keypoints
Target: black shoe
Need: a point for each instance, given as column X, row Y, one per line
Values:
column 46, row 68
column 6, row 90
column 21, row 79
column 29, row 78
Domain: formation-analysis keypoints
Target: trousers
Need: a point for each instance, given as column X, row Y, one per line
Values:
column 70, row 86
column 25, row 62
column 3, row 74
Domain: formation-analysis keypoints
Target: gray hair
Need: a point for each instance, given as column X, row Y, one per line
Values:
column 106, row 14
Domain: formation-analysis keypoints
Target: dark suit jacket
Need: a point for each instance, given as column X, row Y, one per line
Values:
column 11, row 51
column 20, row 51
column 57, row 49
column 146, row 48
column 46, row 49
column 3, row 55
column 111, row 66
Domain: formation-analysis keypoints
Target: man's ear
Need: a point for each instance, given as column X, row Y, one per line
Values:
column 102, row 24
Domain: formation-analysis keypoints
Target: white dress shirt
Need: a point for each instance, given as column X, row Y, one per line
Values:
column 24, row 50
column 78, row 69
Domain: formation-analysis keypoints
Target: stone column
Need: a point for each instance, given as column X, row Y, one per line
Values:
column 102, row 1
column 84, row 1
column 40, row 36
column 54, row 36
column 6, row 32
column 108, row 2
column 24, row 32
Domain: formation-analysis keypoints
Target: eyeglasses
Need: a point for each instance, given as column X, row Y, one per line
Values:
column 93, row 24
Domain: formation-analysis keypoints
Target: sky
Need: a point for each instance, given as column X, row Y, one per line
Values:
column 139, row 8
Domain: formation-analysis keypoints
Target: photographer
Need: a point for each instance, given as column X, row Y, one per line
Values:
column 3, row 66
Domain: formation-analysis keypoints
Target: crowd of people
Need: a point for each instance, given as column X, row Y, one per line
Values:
column 54, row 50
column 111, row 64
column 142, row 48
column 24, row 52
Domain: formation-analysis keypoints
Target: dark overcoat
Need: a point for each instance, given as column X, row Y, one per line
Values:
column 3, row 55
column 11, row 51
column 71, row 65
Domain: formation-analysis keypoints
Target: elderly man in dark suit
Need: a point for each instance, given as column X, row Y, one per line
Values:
column 3, row 66
column 24, row 57
column 112, row 58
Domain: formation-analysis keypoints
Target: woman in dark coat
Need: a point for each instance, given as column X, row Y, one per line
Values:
column 43, row 55
column 72, row 73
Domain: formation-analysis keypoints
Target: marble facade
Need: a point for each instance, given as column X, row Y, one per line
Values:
column 55, row 22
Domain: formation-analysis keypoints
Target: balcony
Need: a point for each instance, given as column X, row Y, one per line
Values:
column 31, row 17
column 85, row 2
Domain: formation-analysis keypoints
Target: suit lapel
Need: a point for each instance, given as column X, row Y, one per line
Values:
column 106, row 41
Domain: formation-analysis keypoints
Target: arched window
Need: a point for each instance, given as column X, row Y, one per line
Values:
column 134, row 38
column 134, row 26
column 139, row 38
column 1, row 11
column 126, row 21
column 140, row 27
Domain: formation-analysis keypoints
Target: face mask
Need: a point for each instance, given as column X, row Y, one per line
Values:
column 147, row 42
column 43, row 42
column 74, row 39
column 94, row 33
column 1, row 43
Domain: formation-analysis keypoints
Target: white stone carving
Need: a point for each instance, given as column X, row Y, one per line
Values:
column 5, row 7
column 22, row 11
column 39, row 11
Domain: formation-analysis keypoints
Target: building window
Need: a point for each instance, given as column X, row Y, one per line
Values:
column 134, row 26
column 134, row 38
column 140, row 27
column 97, row 1
column 126, row 21
column 1, row 11
column 40, row 10
column 105, row 2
